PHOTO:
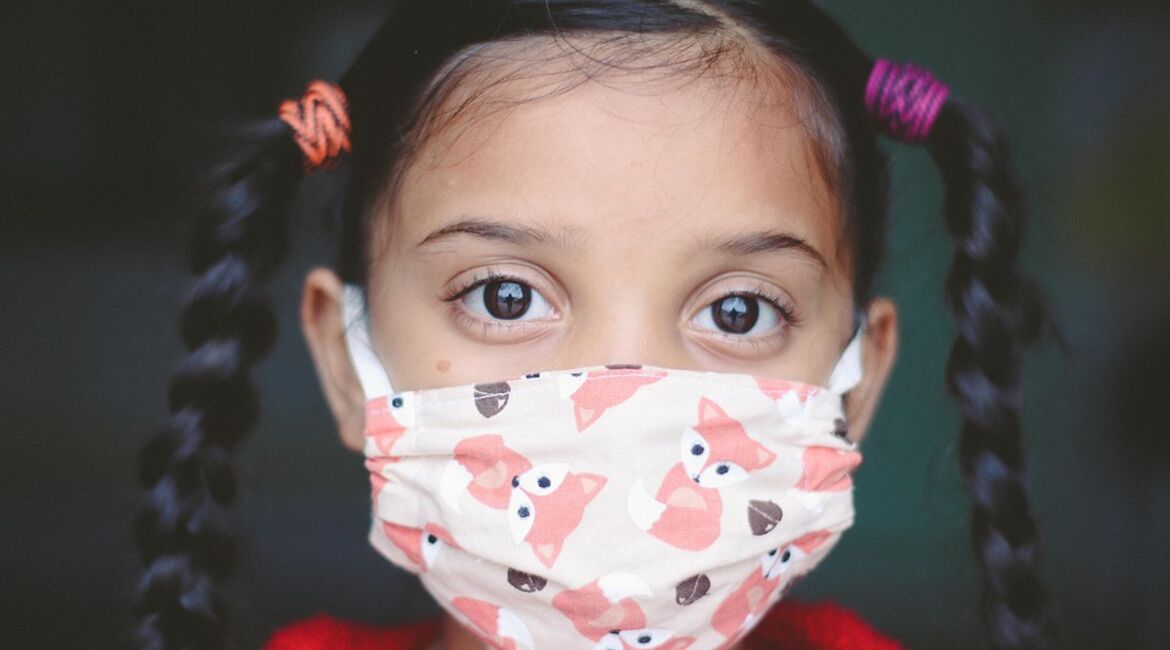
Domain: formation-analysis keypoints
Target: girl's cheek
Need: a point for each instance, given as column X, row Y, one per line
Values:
column 440, row 356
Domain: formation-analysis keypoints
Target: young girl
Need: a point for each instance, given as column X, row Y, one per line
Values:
column 601, row 323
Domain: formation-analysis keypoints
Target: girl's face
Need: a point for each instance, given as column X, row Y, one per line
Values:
column 685, row 226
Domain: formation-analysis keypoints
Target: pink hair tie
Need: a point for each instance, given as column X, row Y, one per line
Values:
column 904, row 98
column 320, row 124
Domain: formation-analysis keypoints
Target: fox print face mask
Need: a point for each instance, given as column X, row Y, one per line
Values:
column 607, row 507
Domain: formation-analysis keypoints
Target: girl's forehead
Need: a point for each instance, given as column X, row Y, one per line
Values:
column 617, row 164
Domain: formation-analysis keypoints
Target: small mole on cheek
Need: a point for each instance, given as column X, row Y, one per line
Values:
column 442, row 365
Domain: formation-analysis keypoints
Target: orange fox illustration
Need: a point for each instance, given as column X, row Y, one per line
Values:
column 383, row 428
column 377, row 478
column 605, row 612
column 644, row 638
column 498, row 627
column 716, row 452
column 544, row 503
column 483, row 467
column 598, row 390
column 778, row 388
column 604, row 604
column 560, row 495
column 827, row 469
column 739, row 611
column 421, row 545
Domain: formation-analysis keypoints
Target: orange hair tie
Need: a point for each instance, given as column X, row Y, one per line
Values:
column 320, row 124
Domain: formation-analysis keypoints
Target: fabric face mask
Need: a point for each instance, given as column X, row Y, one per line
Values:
column 607, row 507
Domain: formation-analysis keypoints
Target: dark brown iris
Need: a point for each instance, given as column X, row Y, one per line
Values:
column 505, row 299
column 736, row 314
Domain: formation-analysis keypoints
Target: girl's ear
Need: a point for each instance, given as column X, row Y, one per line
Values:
column 324, row 330
column 879, row 347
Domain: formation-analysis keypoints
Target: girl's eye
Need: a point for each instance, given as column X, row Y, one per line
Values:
column 742, row 313
column 736, row 314
column 504, row 298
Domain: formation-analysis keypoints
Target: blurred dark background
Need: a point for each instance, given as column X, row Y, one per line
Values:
column 112, row 108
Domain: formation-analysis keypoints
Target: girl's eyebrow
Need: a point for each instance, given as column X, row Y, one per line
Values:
column 764, row 241
column 749, row 243
column 520, row 235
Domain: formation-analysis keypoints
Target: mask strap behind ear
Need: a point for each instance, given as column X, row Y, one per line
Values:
column 370, row 371
column 848, row 371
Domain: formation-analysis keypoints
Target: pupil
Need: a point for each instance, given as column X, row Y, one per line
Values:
column 722, row 469
column 736, row 314
column 697, row 450
column 431, row 539
column 543, row 482
column 507, row 300
column 645, row 638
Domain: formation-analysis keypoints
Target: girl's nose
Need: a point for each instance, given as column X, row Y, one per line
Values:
column 637, row 334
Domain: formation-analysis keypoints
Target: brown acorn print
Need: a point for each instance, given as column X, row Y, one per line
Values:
column 490, row 399
column 525, row 582
column 763, row 516
column 692, row 589
column 840, row 429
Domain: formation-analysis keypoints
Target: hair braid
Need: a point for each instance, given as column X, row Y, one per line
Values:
column 227, row 324
column 998, row 312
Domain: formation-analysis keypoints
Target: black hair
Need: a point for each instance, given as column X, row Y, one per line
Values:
column 227, row 323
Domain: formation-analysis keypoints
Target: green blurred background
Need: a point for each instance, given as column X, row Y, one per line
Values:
column 112, row 108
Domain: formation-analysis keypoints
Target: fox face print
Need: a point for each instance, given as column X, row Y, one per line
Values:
column 716, row 452
column 544, row 503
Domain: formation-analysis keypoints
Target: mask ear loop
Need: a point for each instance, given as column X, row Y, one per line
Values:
column 848, row 371
column 371, row 374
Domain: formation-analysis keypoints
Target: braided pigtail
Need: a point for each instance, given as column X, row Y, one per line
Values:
column 227, row 324
column 998, row 312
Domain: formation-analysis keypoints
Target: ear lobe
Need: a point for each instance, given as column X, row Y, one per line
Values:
column 324, row 331
column 878, row 351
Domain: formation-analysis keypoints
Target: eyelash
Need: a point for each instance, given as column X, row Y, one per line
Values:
column 478, row 281
column 474, row 283
column 776, row 302
column 791, row 319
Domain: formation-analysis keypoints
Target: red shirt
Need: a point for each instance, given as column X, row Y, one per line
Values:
column 788, row 625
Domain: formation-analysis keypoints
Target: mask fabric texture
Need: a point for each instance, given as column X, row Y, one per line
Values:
column 611, row 507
